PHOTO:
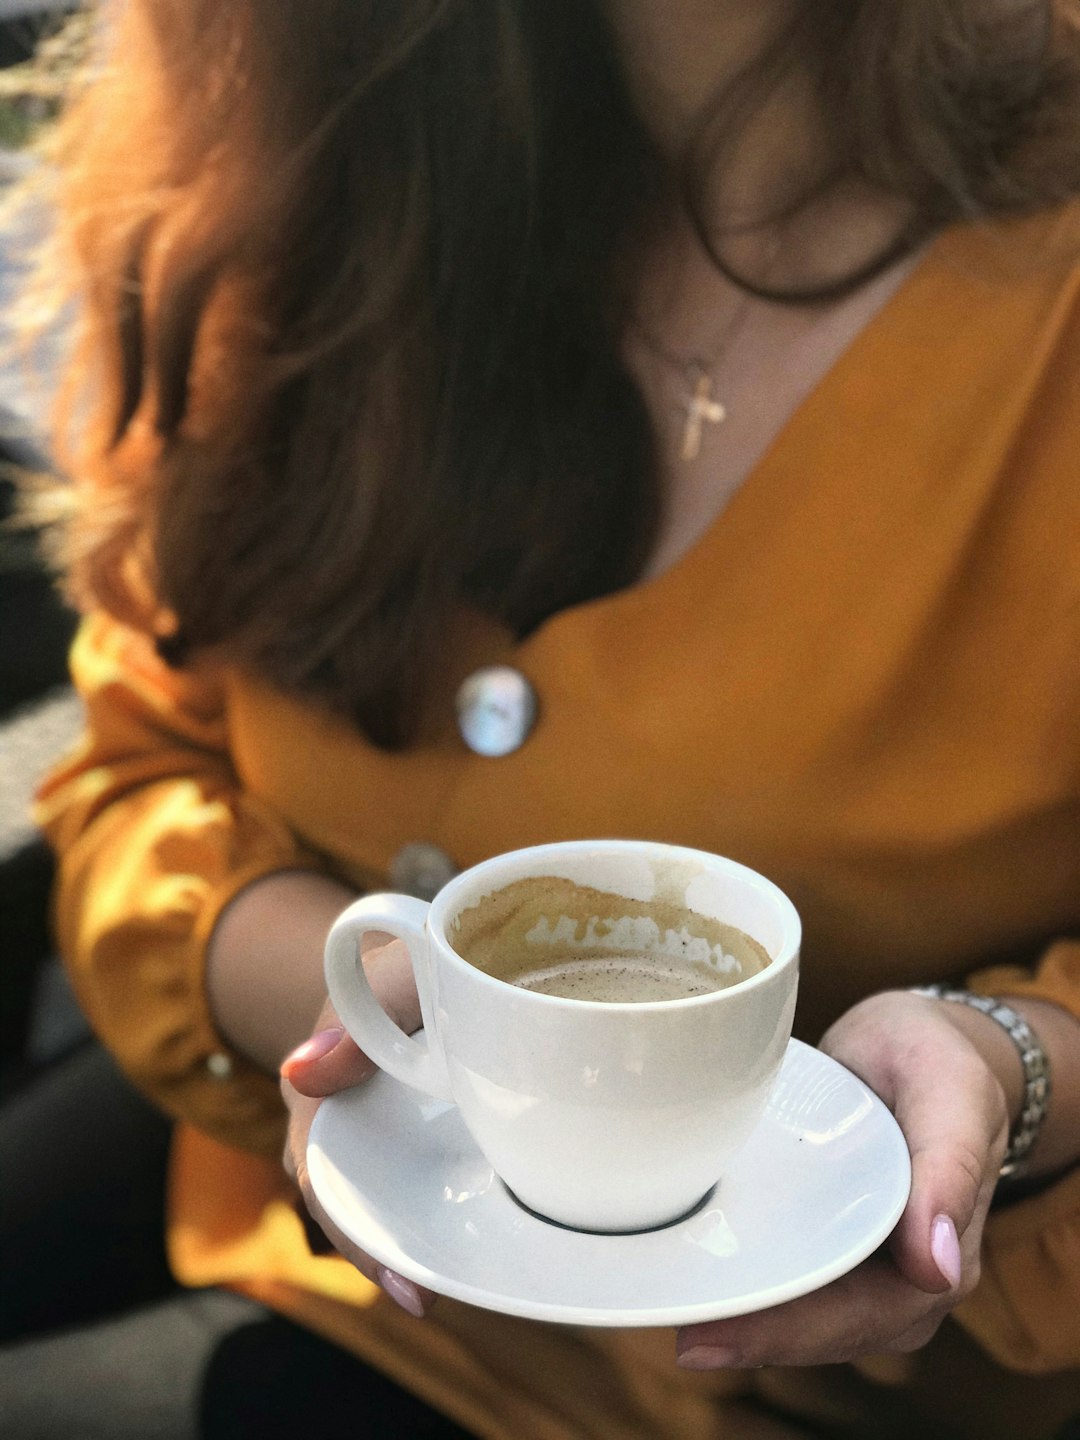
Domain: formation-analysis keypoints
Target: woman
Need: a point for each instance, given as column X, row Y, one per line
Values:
column 712, row 366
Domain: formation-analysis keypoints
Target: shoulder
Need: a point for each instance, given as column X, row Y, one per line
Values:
column 1004, row 309
column 983, row 392
column 1029, row 252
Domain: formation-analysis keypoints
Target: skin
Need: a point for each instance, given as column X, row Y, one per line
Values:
column 265, row 958
column 910, row 1050
column 675, row 53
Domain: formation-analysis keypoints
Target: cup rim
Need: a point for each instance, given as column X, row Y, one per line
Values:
column 791, row 924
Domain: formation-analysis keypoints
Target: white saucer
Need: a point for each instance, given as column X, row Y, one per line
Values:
column 819, row 1185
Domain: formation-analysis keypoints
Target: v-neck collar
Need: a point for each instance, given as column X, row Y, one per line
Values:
column 816, row 438
column 807, row 419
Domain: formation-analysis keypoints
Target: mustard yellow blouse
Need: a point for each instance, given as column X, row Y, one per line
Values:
column 863, row 680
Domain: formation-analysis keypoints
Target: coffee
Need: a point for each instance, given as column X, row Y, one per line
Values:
column 610, row 1117
column 556, row 937
column 620, row 978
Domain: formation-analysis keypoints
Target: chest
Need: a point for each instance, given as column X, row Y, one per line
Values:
column 858, row 676
column 837, row 737
column 718, row 406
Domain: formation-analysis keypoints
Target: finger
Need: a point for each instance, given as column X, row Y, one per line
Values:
column 951, row 1109
column 327, row 1062
column 330, row 1060
column 951, row 1112
column 415, row 1299
column 865, row 1311
column 390, row 975
column 301, row 1114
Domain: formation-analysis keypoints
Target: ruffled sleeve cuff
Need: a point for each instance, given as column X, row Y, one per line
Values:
column 1026, row 1309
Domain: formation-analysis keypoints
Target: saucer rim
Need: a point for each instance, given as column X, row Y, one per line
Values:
column 527, row 1308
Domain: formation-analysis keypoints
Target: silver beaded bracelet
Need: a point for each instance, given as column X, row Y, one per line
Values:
column 1034, row 1059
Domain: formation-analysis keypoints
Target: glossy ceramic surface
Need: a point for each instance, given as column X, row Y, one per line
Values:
column 605, row 1116
column 817, row 1187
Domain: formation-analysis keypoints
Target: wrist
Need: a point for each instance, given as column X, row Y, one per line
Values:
column 1014, row 1055
column 997, row 1049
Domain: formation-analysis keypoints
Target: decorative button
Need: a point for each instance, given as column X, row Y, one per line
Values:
column 219, row 1065
column 421, row 870
column 496, row 710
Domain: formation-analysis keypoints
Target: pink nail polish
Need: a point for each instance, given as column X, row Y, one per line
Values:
column 314, row 1048
column 945, row 1248
column 707, row 1357
column 403, row 1292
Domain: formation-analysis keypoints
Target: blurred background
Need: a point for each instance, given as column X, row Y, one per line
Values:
column 41, row 42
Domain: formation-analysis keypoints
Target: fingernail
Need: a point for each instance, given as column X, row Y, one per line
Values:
column 945, row 1248
column 707, row 1357
column 314, row 1048
column 403, row 1292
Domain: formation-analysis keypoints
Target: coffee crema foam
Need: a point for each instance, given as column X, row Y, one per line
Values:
column 556, row 937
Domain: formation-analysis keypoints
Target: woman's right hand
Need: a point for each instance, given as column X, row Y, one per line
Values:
column 330, row 1061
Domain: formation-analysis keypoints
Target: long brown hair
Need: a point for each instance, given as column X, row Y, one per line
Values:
column 350, row 297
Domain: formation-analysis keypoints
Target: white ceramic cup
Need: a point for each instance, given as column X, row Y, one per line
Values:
column 601, row 1116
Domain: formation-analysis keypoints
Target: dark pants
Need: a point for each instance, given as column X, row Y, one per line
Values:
column 96, row 1340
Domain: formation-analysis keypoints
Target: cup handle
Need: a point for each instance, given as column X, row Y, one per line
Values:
column 421, row 1065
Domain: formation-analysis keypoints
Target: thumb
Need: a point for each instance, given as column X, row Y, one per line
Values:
column 951, row 1111
column 329, row 1061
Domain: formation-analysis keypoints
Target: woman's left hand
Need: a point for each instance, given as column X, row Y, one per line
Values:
column 952, row 1110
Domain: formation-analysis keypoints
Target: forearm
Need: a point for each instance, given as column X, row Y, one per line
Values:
column 264, row 964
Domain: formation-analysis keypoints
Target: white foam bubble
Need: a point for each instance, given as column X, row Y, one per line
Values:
column 631, row 933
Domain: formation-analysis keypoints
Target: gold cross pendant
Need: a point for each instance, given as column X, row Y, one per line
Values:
column 700, row 407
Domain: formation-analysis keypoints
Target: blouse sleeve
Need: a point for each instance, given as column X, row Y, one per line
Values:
column 154, row 836
column 1026, row 1308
